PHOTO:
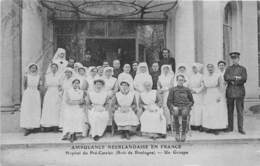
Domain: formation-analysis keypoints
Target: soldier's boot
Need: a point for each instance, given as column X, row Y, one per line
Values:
column 177, row 128
column 184, row 128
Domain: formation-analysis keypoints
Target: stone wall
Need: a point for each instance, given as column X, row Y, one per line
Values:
column 10, row 53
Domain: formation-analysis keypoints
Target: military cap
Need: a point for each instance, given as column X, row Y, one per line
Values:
column 234, row 54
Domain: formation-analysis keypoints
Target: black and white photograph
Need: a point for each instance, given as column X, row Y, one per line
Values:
column 130, row 83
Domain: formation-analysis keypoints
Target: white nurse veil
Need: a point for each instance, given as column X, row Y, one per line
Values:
column 57, row 53
column 171, row 73
column 142, row 64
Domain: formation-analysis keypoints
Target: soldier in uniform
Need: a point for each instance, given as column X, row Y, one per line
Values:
column 235, row 76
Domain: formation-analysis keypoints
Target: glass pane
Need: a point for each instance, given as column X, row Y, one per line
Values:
column 152, row 38
column 63, row 27
column 95, row 28
column 126, row 29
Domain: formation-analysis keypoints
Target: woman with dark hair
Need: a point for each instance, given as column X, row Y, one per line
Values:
column 31, row 101
column 51, row 103
column 97, row 104
column 73, row 111
column 125, row 75
column 215, row 113
column 125, row 110
column 153, row 121
column 65, row 85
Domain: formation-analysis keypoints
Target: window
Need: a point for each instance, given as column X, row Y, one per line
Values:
column 148, row 36
column 227, row 33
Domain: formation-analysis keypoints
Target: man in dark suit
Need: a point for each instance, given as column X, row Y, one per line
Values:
column 235, row 76
column 166, row 59
column 155, row 73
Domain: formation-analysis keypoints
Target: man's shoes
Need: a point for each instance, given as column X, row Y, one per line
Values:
column 127, row 135
column 183, row 137
column 216, row 132
column 27, row 132
column 96, row 138
column 65, row 137
column 242, row 132
column 228, row 130
column 177, row 137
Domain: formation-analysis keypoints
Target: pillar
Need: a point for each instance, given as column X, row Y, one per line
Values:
column 184, row 33
column 249, row 53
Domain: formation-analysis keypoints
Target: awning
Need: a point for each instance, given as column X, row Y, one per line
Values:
column 132, row 9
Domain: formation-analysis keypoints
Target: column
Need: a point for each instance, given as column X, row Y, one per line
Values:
column 184, row 33
column 212, row 32
column 249, row 50
column 10, row 54
column 32, row 34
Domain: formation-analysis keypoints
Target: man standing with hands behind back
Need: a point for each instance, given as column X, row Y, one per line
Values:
column 235, row 76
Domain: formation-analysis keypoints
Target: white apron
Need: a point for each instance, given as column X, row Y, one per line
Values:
column 66, row 85
column 98, row 115
column 166, row 84
column 152, row 122
column 128, row 118
column 51, row 104
column 73, row 114
column 197, row 108
column 31, row 104
column 215, row 113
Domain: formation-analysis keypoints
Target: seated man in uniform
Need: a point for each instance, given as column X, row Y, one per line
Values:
column 179, row 102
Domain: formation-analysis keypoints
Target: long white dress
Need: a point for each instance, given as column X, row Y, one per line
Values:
column 152, row 121
column 196, row 84
column 109, row 85
column 122, row 117
column 98, row 115
column 214, row 115
column 66, row 84
column 73, row 114
column 223, row 85
column 51, row 111
column 165, row 82
column 31, row 104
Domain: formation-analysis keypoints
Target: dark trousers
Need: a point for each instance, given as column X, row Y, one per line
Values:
column 240, row 108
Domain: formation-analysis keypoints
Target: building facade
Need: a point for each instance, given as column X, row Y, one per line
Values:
column 194, row 31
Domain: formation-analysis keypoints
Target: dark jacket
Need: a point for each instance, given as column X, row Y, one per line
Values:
column 180, row 96
column 168, row 61
column 155, row 76
column 235, row 88
column 117, row 72
column 133, row 73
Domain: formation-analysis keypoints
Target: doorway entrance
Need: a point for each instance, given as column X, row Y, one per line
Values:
column 110, row 49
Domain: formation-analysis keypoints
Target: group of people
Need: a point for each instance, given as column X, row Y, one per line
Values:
column 83, row 100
